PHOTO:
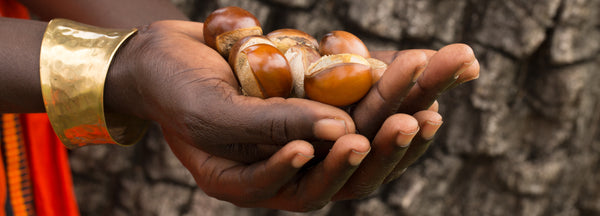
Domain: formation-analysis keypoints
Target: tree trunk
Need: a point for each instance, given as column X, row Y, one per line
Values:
column 521, row 140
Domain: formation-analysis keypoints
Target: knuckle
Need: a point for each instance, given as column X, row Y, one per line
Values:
column 277, row 130
column 277, row 122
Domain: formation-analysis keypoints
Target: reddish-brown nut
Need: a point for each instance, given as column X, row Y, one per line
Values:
column 300, row 57
column 225, row 26
column 261, row 68
column 378, row 67
column 286, row 38
column 244, row 43
column 338, row 42
column 338, row 80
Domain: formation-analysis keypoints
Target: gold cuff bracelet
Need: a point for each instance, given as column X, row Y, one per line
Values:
column 74, row 62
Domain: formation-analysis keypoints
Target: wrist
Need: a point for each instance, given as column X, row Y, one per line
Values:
column 121, row 92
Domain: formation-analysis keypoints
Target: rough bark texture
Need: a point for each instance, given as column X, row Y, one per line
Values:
column 521, row 140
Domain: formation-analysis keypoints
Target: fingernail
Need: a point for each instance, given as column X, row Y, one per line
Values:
column 470, row 79
column 418, row 71
column 356, row 157
column 429, row 129
column 330, row 129
column 404, row 138
column 402, row 171
column 301, row 159
column 456, row 84
column 463, row 68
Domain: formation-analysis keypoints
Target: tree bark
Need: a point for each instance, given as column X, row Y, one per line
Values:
column 521, row 140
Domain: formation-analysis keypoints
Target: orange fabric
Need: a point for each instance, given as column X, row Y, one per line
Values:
column 14, row 9
column 17, row 168
column 51, row 174
column 2, row 184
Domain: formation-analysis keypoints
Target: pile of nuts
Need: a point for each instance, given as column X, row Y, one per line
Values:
column 338, row 70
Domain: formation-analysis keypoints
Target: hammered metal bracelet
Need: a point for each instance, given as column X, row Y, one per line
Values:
column 74, row 62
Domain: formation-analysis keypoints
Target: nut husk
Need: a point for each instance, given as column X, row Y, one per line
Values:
column 286, row 38
column 300, row 57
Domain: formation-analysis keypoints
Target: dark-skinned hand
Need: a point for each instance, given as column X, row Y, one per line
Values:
column 221, row 136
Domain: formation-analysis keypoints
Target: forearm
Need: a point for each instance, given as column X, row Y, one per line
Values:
column 20, row 90
column 106, row 13
column 21, row 40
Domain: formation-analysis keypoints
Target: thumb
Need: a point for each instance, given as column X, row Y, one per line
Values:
column 276, row 121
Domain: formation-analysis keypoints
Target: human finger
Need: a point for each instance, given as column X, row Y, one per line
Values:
column 429, row 123
column 470, row 74
column 241, row 184
column 388, row 148
column 435, row 107
column 443, row 69
column 385, row 97
column 316, row 188
column 240, row 123
column 388, row 56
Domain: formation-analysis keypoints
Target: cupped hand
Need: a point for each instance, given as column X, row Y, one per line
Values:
column 410, row 87
column 281, row 182
column 167, row 74
column 353, row 167
column 413, row 81
column 189, row 89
